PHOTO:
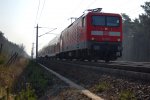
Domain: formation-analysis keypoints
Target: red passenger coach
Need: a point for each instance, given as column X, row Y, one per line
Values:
column 94, row 35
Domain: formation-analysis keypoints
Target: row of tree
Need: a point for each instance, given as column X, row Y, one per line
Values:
column 8, row 48
column 136, row 36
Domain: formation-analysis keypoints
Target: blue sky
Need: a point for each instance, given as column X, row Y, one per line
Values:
column 19, row 17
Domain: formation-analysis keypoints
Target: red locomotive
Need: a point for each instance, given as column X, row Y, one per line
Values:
column 94, row 35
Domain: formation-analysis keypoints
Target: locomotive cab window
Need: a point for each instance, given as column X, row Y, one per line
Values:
column 105, row 21
column 98, row 20
column 112, row 21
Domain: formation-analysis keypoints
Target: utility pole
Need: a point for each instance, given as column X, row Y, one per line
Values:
column 37, row 41
column 37, row 27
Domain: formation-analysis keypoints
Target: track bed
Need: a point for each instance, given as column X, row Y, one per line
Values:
column 103, row 84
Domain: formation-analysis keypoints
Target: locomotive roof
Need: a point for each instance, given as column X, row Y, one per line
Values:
column 100, row 13
column 95, row 13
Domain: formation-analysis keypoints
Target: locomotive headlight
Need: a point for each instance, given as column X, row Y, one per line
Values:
column 118, row 40
column 93, row 38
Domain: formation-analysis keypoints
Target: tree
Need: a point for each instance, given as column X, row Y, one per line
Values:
column 141, row 32
column 136, row 34
column 146, row 8
column 1, row 34
column 10, row 48
column 127, row 37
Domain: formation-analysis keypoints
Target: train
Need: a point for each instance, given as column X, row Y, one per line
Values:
column 93, row 36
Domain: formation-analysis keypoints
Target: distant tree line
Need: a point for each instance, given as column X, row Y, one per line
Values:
column 136, row 36
column 9, row 48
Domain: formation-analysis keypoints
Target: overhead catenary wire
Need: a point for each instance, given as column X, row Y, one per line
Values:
column 90, row 4
column 39, row 11
column 48, row 32
column 76, row 8
column 42, row 10
column 36, row 19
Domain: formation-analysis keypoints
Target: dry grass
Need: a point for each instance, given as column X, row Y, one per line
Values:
column 8, row 75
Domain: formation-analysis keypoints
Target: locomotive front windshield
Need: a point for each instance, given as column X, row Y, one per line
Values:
column 105, row 21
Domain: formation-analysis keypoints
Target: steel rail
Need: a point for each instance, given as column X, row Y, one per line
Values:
column 81, row 89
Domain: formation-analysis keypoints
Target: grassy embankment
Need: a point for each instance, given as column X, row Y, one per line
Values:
column 23, row 80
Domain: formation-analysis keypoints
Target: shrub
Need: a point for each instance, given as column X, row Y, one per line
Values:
column 127, row 95
column 103, row 86
column 27, row 94
column 2, row 59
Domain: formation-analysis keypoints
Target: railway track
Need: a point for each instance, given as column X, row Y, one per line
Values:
column 143, row 67
column 91, row 74
column 81, row 89
column 129, row 70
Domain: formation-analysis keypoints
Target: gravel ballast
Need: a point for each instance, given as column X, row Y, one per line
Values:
column 105, row 85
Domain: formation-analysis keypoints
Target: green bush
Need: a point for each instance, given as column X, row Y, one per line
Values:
column 127, row 95
column 2, row 59
column 39, row 78
column 103, row 86
column 27, row 94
